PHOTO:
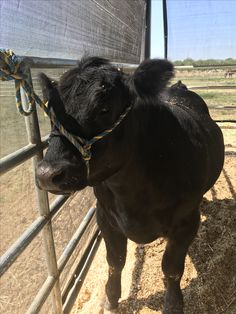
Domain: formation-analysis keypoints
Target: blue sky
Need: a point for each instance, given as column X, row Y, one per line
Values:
column 198, row 29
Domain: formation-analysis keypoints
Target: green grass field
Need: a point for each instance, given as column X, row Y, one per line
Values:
column 204, row 78
column 214, row 97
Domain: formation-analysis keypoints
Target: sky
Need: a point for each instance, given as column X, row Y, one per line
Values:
column 197, row 29
column 157, row 33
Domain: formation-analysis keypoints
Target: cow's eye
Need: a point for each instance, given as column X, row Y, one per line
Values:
column 105, row 110
column 105, row 86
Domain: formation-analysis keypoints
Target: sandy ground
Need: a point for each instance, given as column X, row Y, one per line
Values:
column 209, row 281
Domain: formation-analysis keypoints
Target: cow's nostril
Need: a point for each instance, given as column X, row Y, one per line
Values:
column 49, row 177
column 58, row 177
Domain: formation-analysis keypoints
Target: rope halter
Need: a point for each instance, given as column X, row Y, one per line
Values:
column 83, row 145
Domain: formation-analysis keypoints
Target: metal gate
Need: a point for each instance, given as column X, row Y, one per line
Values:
column 61, row 303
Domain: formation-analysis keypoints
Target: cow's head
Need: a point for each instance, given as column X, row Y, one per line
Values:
column 88, row 100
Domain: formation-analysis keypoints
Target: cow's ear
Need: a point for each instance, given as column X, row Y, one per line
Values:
column 51, row 94
column 151, row 77
column 48, row 85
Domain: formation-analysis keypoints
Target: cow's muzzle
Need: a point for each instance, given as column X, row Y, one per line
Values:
column 61, row 177
column 49, row 177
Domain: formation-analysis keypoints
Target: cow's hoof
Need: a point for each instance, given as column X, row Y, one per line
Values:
column 109, row 307
column 173, row 310
column 174, row 302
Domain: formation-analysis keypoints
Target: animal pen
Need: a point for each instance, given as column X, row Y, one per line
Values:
column 53, row 36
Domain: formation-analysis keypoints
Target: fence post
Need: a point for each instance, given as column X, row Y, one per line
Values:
column 34, row 137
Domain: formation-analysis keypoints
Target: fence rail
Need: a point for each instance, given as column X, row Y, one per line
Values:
column 21, row 155
column 69, row 249
column 10, row 256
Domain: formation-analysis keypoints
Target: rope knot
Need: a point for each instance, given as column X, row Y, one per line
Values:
column 86, row 152
column 87, row 147
column 11, row 68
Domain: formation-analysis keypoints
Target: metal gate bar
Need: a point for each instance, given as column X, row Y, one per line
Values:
column 42, row 295
column 30, row 233
column 50, row 281
column 34, row 137
column 21, row 155
column 75, row 239
column 81, row 272
column 46, row 288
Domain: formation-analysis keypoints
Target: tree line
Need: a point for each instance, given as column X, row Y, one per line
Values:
column 208, row 62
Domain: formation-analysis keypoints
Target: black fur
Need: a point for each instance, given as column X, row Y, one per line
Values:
column 151, row 77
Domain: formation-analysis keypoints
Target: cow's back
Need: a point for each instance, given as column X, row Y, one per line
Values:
column 179, row 95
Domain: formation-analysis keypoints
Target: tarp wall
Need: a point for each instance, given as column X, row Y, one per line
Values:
column 67, row 29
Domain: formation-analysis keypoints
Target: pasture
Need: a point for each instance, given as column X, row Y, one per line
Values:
column 209, row 281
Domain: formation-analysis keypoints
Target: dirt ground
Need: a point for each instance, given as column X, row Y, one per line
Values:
column 209, row 281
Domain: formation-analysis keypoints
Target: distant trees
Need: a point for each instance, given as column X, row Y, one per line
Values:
column 208, row 62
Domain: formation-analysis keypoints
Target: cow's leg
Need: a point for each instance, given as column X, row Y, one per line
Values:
column 116, row 247
column 173, row 261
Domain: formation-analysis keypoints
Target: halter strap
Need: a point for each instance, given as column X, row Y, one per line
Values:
column 83, row 145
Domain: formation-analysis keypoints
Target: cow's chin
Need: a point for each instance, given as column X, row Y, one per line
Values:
column 67, row 190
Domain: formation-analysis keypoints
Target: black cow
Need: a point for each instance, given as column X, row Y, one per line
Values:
column 149, row 174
